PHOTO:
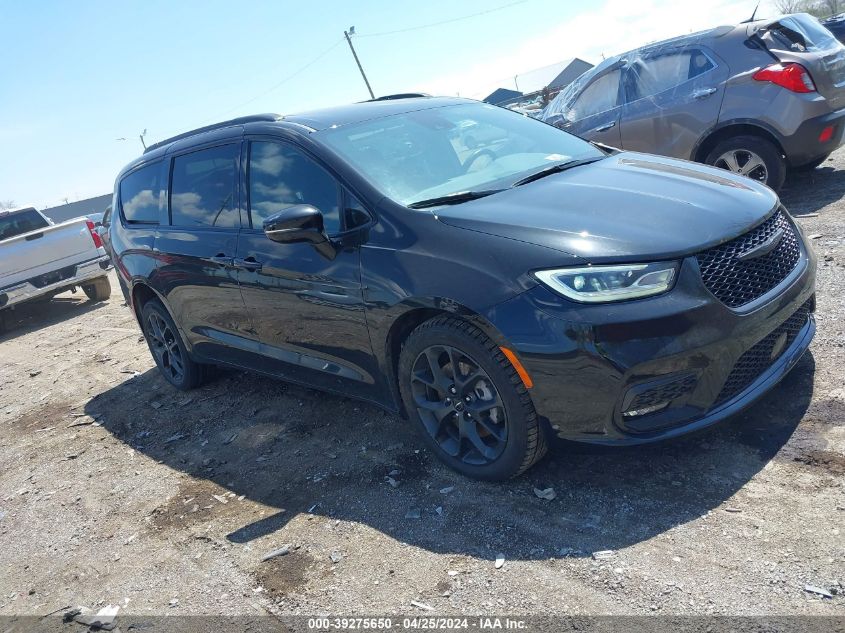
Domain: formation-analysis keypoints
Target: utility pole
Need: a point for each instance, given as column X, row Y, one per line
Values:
column 346, row 34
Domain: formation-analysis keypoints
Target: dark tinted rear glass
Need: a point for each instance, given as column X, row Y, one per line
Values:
column 802, row 32
column 20, row 223
column 203, row 188
column 139, row 195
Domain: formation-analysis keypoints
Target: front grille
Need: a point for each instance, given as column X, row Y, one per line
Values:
column 759, row 358
column 663, row 393
column 735, row 282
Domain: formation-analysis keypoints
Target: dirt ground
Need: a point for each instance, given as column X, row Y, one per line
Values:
column 116, row 489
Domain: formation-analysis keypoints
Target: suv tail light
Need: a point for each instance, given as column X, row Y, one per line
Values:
column 791, row 76
column 94, row 235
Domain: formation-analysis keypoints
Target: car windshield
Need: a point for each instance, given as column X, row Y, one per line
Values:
column 436, row 152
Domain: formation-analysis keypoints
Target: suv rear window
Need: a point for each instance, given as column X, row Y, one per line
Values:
column 800, row 33
column 21, row 222
column 139, row 195
column 203, row 188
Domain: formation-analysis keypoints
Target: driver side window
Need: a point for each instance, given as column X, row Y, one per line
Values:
column 600, row 96
column 281, row 176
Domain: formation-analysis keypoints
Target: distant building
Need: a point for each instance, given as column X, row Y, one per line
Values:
column 502, row 96
column 529, row 84
column 78, row 209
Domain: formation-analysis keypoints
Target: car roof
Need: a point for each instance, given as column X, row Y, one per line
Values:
column 368, row 110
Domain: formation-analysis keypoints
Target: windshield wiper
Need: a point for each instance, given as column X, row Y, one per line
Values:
column 452, row 198
column 554, row 169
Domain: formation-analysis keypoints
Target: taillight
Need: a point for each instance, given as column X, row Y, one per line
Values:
column 791, row 76
column 94, row 235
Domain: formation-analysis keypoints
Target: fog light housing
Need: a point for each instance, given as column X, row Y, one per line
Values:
column 654, row 408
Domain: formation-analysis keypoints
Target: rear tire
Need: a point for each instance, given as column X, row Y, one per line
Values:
column 486, row 427
column 742, row 154
column 168, row 349
column 98, row 290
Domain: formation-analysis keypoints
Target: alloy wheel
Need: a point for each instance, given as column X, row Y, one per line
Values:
column 165, row 347
column 459, row 405
column 744, row 162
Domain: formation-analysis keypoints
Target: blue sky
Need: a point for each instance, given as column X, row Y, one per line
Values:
column 76, row 76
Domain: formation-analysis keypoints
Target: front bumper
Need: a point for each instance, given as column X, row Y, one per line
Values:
column 54, row 282
column 804, row 147
column 590, row 364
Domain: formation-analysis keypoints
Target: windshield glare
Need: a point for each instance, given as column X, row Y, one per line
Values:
column 436, row 152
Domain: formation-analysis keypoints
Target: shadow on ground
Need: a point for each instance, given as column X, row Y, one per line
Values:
column 34, row 315
column 809, row 191
column 295, row 450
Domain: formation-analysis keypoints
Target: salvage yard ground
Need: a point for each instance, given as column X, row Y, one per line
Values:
column 116, row 489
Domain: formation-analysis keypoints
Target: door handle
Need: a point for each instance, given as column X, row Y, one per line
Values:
column 704, row 93
column 221, row 260
column 247, row 264
column 605, row 127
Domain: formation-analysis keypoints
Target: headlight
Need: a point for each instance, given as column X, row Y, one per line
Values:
column 598, row 284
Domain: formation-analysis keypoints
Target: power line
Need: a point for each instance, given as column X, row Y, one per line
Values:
column 286, row 79
column 442, row 22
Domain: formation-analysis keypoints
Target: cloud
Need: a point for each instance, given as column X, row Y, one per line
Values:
column 611, row 28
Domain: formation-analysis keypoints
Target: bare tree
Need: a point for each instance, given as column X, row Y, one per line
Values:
column 790, row 6
column 831, row 7
column 7, row 204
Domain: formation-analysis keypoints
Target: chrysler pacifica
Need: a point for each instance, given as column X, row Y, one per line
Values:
column 494, row 294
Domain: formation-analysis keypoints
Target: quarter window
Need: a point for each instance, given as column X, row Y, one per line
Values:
column 139, row 195
column 281, row 176
column 203, row 189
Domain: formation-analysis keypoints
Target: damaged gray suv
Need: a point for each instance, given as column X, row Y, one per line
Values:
column 758, row 98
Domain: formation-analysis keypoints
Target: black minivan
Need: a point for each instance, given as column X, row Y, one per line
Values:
column 530, row 285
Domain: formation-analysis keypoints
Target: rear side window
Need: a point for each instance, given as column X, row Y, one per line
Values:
column 281, row 176
column 599, row 96
column 21, row 222
column 654, row 75
column 203, row 188
column 139, row 195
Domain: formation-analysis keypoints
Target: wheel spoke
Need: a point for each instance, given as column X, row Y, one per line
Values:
column 498, row 433
column 440, row 410
column 469, row 431
column 753, row 163
column 731, row 161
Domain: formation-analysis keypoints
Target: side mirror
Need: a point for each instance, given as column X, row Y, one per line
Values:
column 299, row 223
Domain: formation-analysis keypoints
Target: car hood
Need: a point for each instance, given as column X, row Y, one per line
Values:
column 626, row 206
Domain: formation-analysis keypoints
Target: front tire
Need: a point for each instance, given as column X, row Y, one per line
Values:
column 468, row 402
column 168, row 349
column 98, row 290
column 750, row 156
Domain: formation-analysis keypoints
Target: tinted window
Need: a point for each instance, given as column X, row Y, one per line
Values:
column 657, row 74
column 600, row 96
column 354, row 213
column 139, row 194
column 281, row 176
column 203, row 188
column 21, row 222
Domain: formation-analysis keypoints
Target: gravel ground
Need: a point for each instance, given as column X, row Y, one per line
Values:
column 116, row 489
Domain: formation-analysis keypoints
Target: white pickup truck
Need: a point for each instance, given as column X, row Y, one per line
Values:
column 40, row 259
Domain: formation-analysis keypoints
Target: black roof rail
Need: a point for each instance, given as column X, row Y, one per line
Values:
column 253, row 118
column 401, row 95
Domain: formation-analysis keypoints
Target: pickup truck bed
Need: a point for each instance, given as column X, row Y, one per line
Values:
column 39, row 259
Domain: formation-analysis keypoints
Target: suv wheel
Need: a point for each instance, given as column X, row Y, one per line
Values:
column 98, row 290
column 750, row 156
column 167, row 348
column 468, row 401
